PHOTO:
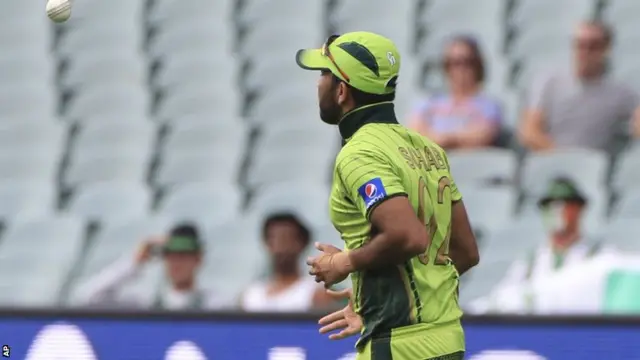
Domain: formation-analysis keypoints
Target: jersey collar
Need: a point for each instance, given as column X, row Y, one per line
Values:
column 381, row 113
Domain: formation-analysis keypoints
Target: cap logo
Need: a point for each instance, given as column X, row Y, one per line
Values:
column 362, row 54
column 391, row 58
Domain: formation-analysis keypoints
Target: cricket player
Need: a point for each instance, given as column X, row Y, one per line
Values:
column 393, row 200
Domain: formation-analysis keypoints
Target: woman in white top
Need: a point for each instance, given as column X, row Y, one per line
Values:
column 287, row 289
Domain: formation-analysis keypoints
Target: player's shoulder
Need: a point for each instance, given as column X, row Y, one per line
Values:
column 360, row 144
column 359, row 148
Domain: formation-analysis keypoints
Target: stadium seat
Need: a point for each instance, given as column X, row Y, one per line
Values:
column 286, row 197
column 17, row 102
column 560, row 15
column 19, row 166
column 124, row 38
column 199, row 98
column 280, row 165
column 620, row 12
column 190, row 38
column 190, row 167
column 459, row 10
column 481, row 280
column 481, row 167
column 121, row 100
column 265, row 73
column 166, row 12
column 283, row 106
column 98, row 69
column 27, row 198
column 628, row 205
column 110, row 200
column 56, row 240
column 23, row 40
column 227, row 243
column 375, row 10
column 586, row 167
column 34, row 137
column 37, row 288
column 259, row 41
column 26, row 71
column 540, row 46
column 514, row 239
column 626, row 171
column 204, row 203
column 196, row 67
column 256, row 12
column 299, row 139
column 89, row 168
column 104, row 137
column 206, row 135
column 489, row 208
column 623, row 234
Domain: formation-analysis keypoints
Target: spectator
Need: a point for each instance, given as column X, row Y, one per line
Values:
column 582, row 108
column 286, row 289
column 463, row 118
column 562, row 208
column 182, row 255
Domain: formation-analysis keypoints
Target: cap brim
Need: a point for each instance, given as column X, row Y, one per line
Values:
column 312, row 59
column 548, row 199
column 180, row 250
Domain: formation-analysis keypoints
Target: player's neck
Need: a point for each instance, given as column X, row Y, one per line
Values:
column 463, row 91
column 563, row 242
column 286, row 278
column 382, row 112
column 591, row 74
column 184, row 286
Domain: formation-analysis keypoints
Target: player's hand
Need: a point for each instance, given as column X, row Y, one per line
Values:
column 331, row 266
column 145, row 251
column 346, row 320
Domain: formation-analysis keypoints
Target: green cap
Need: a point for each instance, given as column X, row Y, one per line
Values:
column 369, row 62
column 562, row 190
column 182, row 244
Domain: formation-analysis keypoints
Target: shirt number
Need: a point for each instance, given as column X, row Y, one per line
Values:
column 435, row 237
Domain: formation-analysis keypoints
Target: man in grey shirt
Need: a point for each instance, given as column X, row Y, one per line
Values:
column 583, row 108
column 181, row 252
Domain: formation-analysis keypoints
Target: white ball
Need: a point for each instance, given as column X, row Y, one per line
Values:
column 59, row 10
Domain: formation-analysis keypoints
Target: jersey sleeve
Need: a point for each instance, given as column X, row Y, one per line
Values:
column 368, row 178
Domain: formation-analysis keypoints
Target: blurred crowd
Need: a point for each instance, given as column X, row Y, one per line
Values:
column 568, row 271
column 160, row 148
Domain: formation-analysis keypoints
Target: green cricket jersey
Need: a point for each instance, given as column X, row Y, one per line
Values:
column 382, row 159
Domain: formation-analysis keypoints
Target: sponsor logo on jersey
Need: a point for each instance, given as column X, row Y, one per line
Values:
column 372, row 192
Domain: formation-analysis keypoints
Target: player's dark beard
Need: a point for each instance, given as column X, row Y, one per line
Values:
column 285, row 264
column 330, row 111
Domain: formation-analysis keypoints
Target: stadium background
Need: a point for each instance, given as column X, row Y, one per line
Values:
column 137, row 114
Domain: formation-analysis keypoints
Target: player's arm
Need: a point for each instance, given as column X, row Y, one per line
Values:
column 463, row 249
column 532, row 130
column 397, row 235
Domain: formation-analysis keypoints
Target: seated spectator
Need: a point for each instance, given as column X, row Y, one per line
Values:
column 181, row 252
column 562, row 208
column 464, row 117
column 608, row 283
column 582, row 107
column 286, row 288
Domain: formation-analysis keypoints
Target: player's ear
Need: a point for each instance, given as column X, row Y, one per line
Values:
column 343, row 93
